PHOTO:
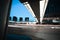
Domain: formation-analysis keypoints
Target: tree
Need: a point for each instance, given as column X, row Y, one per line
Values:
column 27, row 19
column 20, row 19
column 14, row 18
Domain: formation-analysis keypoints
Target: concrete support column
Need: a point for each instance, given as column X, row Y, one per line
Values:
column 4, row 12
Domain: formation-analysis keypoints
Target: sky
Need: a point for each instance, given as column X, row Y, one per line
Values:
column 19, row 10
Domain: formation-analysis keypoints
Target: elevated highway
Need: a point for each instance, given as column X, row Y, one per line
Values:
column 36, row 7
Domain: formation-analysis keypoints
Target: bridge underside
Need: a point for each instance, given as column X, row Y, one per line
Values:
column 38, row 7
column 35, row 7
column 52, row 10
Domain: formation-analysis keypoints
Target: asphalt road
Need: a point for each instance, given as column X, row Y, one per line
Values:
column 37, row 32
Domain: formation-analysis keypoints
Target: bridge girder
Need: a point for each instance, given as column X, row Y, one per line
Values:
column 35, row 7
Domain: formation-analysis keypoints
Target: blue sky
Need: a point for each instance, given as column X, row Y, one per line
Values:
column 19, row 10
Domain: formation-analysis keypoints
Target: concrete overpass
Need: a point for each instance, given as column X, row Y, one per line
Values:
column 36, row 8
